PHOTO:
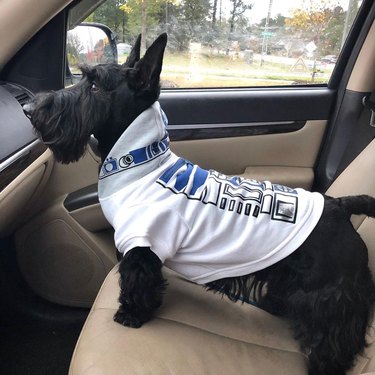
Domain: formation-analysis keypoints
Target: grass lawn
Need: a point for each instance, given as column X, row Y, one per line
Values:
column 207, row 70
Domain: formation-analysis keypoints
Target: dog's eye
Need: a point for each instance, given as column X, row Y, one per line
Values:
column 94, row 87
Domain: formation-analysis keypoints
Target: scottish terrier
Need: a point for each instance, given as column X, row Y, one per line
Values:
column 294, row 252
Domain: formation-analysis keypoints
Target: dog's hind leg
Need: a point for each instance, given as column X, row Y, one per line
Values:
column 274, row 300
column 330, row 305
column 331, row 323
column 142, row 286
column 272, row 285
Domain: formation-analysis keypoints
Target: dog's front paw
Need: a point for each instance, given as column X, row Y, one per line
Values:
column 126, row 319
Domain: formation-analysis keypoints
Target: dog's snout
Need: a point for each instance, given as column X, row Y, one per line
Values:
column 28, row 109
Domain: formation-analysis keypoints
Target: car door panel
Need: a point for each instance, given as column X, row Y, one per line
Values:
column 260, row 134
column 273, row 152
column 241, row 106
column 18, row 197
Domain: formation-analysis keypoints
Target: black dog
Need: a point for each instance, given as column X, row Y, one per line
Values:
column 324, row 287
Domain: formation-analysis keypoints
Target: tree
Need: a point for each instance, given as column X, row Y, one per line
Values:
column 145, row 15
column 110, row 14
column 322, row 23
column 331, row 40
column 214, row 11
column 74, row 48
column 238, row 9
column 278, row 21
column 189, row 21
column 349, row 18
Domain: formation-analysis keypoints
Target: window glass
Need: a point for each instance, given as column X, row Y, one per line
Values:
column 236, row 43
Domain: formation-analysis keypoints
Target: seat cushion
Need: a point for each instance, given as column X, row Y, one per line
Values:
column 194, row 332
column 199, row 332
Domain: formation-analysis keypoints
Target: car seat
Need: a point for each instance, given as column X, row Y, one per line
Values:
column 199, row 332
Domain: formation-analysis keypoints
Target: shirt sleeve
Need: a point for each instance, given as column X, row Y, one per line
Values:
column 163, row 230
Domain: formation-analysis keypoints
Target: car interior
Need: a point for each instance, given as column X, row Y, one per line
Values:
column 59, row 284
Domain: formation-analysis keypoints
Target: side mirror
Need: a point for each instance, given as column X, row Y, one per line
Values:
column 90, row 44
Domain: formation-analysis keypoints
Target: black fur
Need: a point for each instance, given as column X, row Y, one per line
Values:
column 142, row 287
column 324, row 288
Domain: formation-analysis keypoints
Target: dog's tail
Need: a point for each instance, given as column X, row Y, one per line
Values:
column 358, row 205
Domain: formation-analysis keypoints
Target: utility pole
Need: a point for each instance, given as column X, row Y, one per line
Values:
column 265, row 34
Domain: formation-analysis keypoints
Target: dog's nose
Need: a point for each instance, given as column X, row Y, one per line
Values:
column 28, row 109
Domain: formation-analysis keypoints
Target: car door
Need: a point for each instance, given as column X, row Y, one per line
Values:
column 292, row 130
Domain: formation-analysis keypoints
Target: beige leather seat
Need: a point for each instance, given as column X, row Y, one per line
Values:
column 198, row 332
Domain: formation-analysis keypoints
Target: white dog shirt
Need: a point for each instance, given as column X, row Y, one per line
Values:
column 202, row 224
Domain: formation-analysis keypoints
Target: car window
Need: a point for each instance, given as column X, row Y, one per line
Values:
column 236, row 43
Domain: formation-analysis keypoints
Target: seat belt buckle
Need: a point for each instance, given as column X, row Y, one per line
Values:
column 369, row 104
column 372, row 119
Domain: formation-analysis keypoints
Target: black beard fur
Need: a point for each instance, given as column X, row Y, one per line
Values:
column 64, row 120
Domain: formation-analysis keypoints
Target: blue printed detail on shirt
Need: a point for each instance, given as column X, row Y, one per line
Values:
column 182, row 171
column 236, row 194
column 134, row 158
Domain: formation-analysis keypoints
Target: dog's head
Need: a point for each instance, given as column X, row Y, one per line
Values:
column 104, row 103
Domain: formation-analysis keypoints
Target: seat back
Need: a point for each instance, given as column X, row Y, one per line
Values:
column 358, row 178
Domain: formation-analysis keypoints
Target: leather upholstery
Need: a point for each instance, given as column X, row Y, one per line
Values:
column 198, row 332
column 195, row 332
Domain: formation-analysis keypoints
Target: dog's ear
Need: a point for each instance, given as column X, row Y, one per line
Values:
column 135, row 53
column 146, row 73
column 88, row 71
column 151, row 64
